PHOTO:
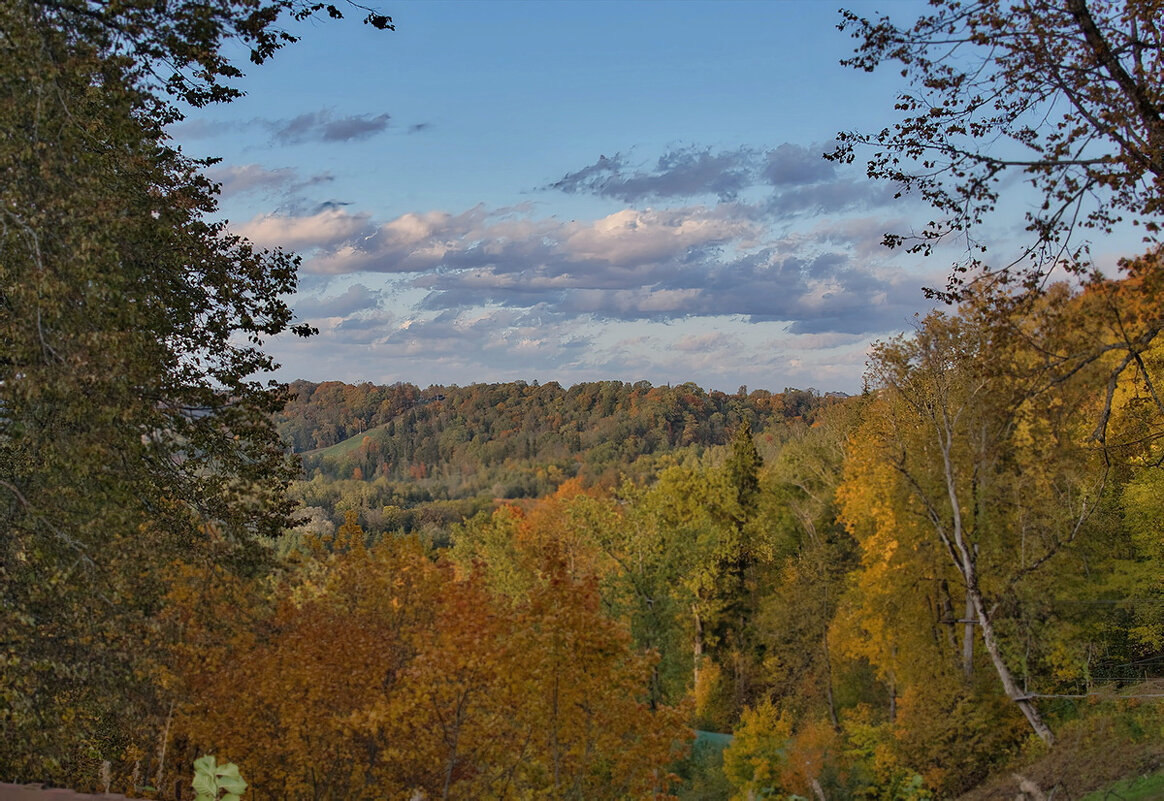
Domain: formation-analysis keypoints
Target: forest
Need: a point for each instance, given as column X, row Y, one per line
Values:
column 946, row 586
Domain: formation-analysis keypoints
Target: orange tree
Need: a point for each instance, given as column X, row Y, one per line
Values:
column 377, row 672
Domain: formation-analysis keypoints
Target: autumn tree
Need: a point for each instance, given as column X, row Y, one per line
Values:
column 1066, row 97
column 998, row 472
column 377, row 672
column 284, row 687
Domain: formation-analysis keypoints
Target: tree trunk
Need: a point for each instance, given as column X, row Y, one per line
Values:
column 828, row 665
column 697, row 647
column 892, row 701
column 968, row 639
column 1009, row 685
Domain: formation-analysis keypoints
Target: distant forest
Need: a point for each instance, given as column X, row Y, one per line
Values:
column 398, row 446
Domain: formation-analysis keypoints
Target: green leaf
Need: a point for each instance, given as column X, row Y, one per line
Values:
column 230, row 780
column 205, row 781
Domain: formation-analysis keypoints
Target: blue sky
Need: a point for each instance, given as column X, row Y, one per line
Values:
column 573, row 191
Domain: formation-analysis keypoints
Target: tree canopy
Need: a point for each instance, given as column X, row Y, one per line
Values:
column 134, row 412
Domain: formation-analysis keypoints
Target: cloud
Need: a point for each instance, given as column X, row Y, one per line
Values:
column 324, row 126
column 826, row 341
column 705, row 343
column 330, row 226
column 686, row 172
column 365, row 329
column 502, row 338
column 622, row 247
column 649, row 264
column 356, row 298
column 253, row 178
column 775, row 185
column 795, row 165
column 822, row 293
column 692, row 172
column 829, row 198
column 203, row 128
column 631, row 238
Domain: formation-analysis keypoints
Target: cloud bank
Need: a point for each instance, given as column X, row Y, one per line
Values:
column 726, row 243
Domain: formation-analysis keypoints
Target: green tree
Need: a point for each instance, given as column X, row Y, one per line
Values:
column 743, row 468
column 134, row 417
column 812, row 558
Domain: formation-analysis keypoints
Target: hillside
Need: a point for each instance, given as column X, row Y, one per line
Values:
column 515, row 440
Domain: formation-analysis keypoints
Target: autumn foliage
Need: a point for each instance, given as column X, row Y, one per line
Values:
column 378, row 673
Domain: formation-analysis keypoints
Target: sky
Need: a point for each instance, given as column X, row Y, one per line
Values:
column 573, row 191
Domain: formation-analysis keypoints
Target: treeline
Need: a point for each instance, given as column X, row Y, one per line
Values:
column 415, row 459
column 522, row 420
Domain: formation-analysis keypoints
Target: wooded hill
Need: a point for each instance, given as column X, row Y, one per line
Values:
column 514, row 440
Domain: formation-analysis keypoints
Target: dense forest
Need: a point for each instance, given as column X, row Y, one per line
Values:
column 947, row 586
column 891, row 595
column 412, row 460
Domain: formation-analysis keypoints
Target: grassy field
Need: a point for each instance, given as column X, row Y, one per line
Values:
column 1145, row 788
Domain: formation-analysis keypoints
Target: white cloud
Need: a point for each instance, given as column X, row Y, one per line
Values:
column 631, row 237
column 329, row 227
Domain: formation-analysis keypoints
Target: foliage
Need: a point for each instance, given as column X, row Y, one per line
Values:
column 210, row 778
column 957, row 440
column 134, row 415
column 181, row 50
column 813, row 557
column 378, row 673
column 131, row 431
column 514, row 440
column 1066, row 96
column 753, row 761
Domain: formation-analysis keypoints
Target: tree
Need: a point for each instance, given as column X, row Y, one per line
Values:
column 1068, row 96
column 179, row 50
column 996, row 472
column 133, row 426
column 284, row 687
column 377, row 673
column 814, row 557
column 743, row 469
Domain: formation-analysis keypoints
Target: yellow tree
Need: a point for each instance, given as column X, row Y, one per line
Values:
column 992, row 461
